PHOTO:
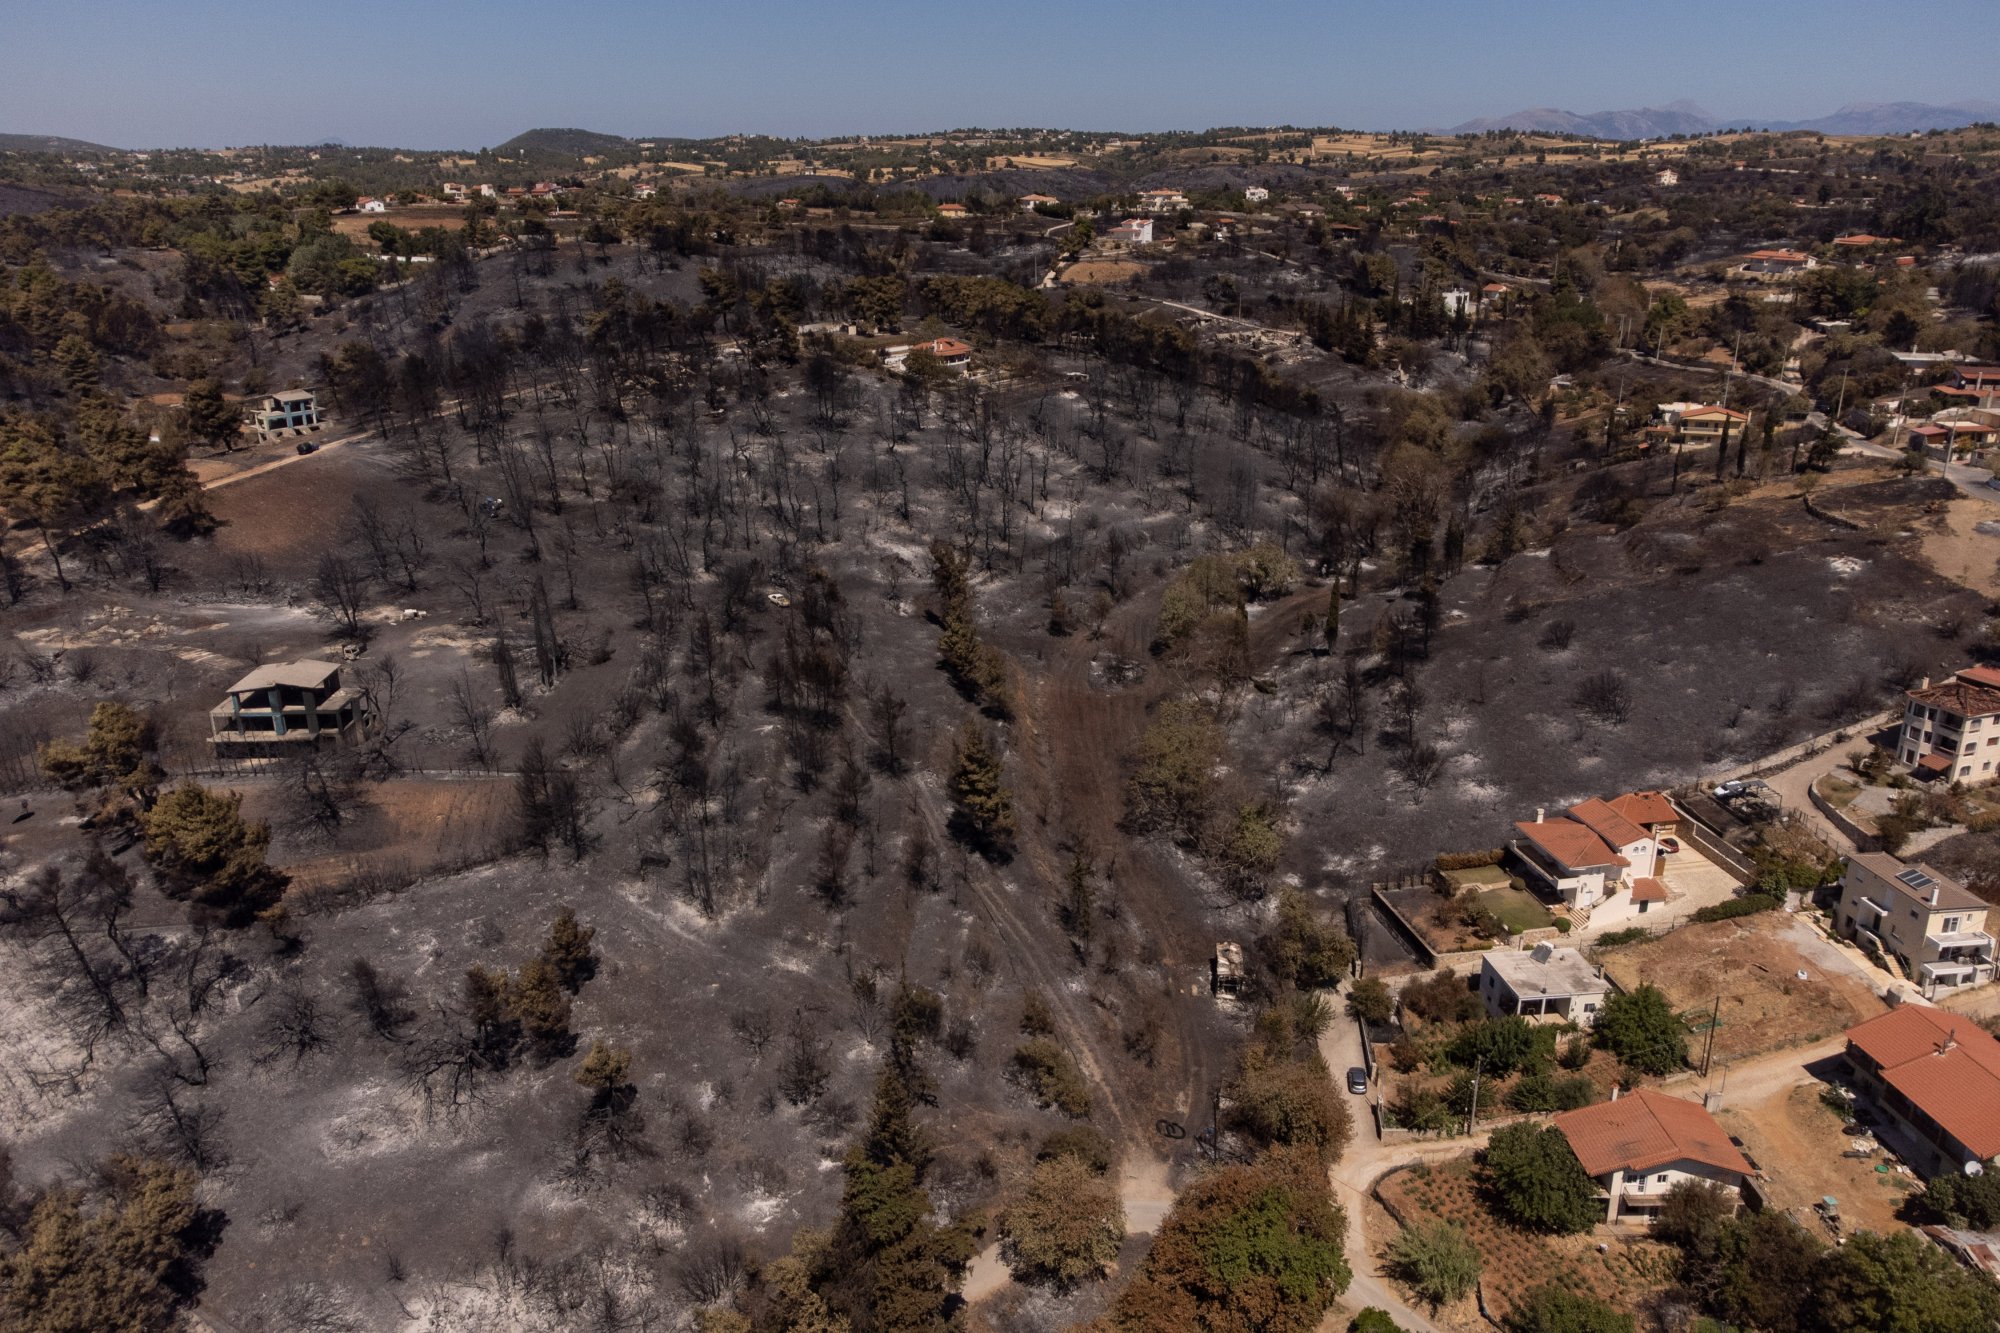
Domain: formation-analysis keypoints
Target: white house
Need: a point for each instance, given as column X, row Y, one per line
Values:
column 292, row 410
column 369, row 204
column 645, row 190
column 1638, row 1147
column 1132, row 231
column 287, row 703
column 1542, row 983
column 453, row 190
column 489, row 191
column 1157, row 202
column 1255, row 194
column 1030, row 202
column 1667, row 176
column 1928, row 922
column 1569, row 860
column 1952, row 730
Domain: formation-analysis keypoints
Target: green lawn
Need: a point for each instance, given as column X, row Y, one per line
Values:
column 1517, row 909
column 1478, row 877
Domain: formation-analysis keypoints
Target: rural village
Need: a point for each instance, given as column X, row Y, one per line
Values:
column 1004, row 731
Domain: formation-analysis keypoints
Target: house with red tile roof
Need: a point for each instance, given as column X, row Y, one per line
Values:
column 1937, row 1076
column 1951, row 730
column 1568, row 859
column 1639, row 1146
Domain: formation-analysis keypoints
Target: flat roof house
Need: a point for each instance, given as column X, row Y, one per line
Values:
column 1952, row 730
column 286, row 704
column 1928, row 922
column 1937, row 1074
column 295, row 410
column 1639, row 1146
column 1255, row 194
column 1541, row 983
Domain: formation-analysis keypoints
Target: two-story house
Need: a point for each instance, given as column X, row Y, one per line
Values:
column 1929, row 923
column 1937, row 1075
column 1639, row 1146
column 285, row 704
column 1568, row 859
column 287, row 410
column 1952, row 730
column 1163, row 201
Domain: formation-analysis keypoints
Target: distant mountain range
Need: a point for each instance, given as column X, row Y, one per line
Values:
column 1688, row 118
column 49, row 143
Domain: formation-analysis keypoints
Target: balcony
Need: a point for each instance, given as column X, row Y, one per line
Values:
column 1960, row 946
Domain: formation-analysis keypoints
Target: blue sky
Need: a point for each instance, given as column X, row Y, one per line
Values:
column 453, row 73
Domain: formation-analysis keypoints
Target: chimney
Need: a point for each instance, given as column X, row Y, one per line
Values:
column 1614, row 1092
column 1540, row 811
column 1924, row 684
column 1934, row 895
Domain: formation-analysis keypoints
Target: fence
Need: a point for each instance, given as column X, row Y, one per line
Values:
column 1791, row 754
column 1863, row 840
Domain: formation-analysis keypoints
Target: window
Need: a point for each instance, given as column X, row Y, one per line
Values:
column 1951, row 925
column 1590, row 1008
column 1660, row 1179
column 1972, row 725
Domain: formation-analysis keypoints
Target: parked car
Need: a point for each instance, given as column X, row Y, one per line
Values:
column 1357, row 1080
column 1670, row 845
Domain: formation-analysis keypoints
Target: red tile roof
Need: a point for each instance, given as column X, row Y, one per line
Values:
column 1600, row 818
column 1646, row 808
column 1981, row 675
column 950, row 347
column 1961, row 697
column 1570, row 843
column 1945, row 1064
column 1646, row 1129
column 1646, row 889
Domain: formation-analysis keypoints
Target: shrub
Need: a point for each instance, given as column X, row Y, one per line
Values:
column 1747, row 905
column 1563, row 925
column 1046, row 1070
column 1533, row 1093
column 1438, row 1260
column 1611, row 939
column 1066, row 1228
column 1470, row 860
column 1420, row 1108
column 1372, row 1320
column 1086, row 1143
column 1693, row 1213
column 1442, row 997
column 1499, row 1046
column 1307, row 948
column 1551, row 1309
column 1643, row 1032
column 1965, row 1200
column 1370, row 1001
column 1290, row 1102
column 1538, row 1180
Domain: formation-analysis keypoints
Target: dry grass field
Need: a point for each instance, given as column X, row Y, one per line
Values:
column 1101, row 271
column 1752, row 964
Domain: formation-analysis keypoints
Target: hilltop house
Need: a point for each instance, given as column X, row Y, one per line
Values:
column 287, row 704
column 1952, row 730
column 1933, row 926
column 295, row 410
column 453, row 190
column 951, row 353
column 370, row 204
column 1132, row 231
column 1542, row 983
column 953, row 210
column 1157, row 202
column 1638, row 1147
column 1030, row 202
column 1599, row 851
column 489, row 191
column 1568, row 859
column 1255, row 194
column 1937, row 1076
column 1695, row 423
column 1666, row 176
column 645, row 190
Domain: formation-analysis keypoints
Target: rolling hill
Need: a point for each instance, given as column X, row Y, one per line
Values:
column 567, row 143
column 50, row 143
column 1860, row 118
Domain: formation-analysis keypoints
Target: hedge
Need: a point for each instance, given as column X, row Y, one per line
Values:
column 1748, row 905
column 1469, row 860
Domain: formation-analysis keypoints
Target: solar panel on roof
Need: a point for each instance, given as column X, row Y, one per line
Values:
column 1916, row 879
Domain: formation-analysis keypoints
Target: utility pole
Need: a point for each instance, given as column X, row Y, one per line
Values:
column 1478, row 1067
column 1714, row 1021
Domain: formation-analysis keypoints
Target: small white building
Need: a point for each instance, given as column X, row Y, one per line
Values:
column 1638, row 1147
column 1667, row 176
column 453, row 190
column 1030, row 202
column 489, row 191
column 1157, row 202
column 369, row 204
column 1132, row 231
column 1255, row 194
column 1542, row 983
